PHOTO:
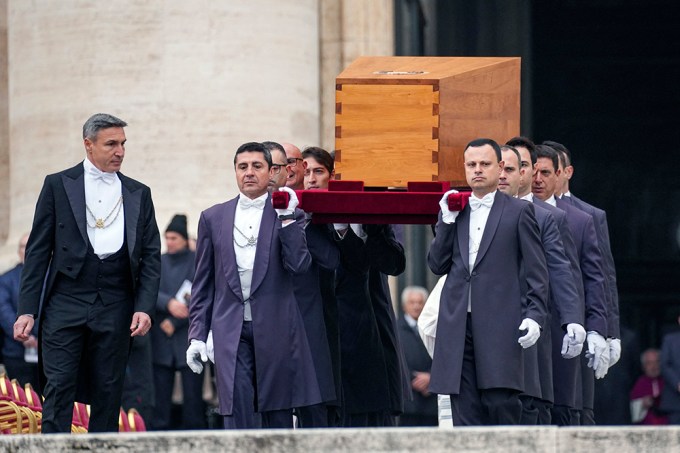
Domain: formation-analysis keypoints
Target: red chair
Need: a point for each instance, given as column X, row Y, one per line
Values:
column 7, row 393
column 81, row 415
column 123, row 422
column 136, row 421
column 32, row 397
column 11, row 418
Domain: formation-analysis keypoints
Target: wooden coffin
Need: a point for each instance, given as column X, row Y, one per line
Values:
column 401, row 119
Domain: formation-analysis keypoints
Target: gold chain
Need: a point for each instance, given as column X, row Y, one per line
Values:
column 101, row 223
column 252, row 240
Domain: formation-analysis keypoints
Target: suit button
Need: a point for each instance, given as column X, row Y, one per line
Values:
column 61, row 225
column 64, row 248
column 467, row 278
column 474, row 274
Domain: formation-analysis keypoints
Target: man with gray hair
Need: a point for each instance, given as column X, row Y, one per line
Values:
column 422, row 410
column 94, row 250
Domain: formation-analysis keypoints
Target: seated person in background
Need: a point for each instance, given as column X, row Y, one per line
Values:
column 645, row 396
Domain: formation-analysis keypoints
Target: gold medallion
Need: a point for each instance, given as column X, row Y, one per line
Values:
column 99, row 223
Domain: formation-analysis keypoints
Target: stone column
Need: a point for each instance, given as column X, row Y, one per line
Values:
column 4, row 127
column 194, row 80
column 349, row 29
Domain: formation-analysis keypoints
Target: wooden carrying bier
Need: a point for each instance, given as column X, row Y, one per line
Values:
column 400, row 119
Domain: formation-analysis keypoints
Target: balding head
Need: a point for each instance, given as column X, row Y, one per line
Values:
column 296, row 175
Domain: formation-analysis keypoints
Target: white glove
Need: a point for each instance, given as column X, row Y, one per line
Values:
column 292, row 202
column 572, row 343
column 614, row 351
column 448, row 216
column 210, row 347
column 533, row 332
column 196, row 349
column 597, row 354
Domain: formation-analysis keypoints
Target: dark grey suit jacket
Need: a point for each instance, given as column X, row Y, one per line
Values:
column 511, row 239
column 538, row 358
column 602, row 230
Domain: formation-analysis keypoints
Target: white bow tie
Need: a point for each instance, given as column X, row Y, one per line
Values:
column 247, row 203
column 95, row 173
column 476, row 203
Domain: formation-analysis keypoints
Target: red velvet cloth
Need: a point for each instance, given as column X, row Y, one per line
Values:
column 371, row 206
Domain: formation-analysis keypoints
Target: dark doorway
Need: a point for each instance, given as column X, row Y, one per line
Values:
column 602, row 77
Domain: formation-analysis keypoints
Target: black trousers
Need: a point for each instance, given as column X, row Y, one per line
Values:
column 587, row 417
column 244, row 415
column 84, row 341
column 193, row 406
column 474, row 406
column 368, row 420
column 529, row 410
column 565, row 416
column 418, row 420
column 318, row 416
column 544, row 411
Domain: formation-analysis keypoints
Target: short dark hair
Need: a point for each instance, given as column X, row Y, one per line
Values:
column 254, row 147
column 271, row 146
column 100, row 121
column 476, row 143
column 561, row 149
column 514, row 150
column 547, row 152
column 525, row 142
column 321, row 156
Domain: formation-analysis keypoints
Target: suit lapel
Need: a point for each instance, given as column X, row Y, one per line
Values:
column 572, row 200
column 463, row 235
column 74, row 185
column 132, row 202
column 264, row 241
column 228, row 253
column 491, row 225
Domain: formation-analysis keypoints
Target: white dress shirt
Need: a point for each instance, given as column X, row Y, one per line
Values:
column 551, row 201
column 528, row 197
column 478, row 218
column 247, row 220
column 102, row 194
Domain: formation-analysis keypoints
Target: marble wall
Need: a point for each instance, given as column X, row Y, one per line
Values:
column 193, row 79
